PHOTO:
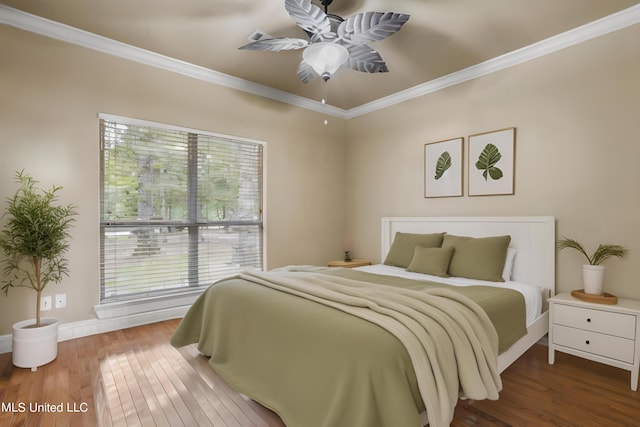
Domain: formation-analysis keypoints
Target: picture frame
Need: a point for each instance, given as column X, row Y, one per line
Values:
column 443, row 168
column 492, row 163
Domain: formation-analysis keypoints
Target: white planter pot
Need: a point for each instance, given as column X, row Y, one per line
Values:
column 33, row 347
column 593, row 277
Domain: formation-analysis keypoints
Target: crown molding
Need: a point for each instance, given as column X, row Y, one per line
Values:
column 66, row 33
column 48, row 28
column 600, row 27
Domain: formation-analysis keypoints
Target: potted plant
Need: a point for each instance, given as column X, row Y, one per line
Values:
column 34, row 242
column 593, row 273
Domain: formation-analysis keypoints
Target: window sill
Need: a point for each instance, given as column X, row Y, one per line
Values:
column 150, row 304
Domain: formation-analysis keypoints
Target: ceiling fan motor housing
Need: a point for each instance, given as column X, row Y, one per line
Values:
column 334, row 20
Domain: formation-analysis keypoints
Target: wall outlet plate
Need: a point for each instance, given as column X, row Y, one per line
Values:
column 61, row 300
column 45, row 303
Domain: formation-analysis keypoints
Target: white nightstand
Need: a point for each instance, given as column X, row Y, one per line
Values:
column 603, row 333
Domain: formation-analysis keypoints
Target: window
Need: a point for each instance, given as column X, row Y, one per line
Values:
column 179, row 208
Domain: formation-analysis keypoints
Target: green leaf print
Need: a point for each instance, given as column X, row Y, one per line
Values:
column 444, row 163
column 487, row 162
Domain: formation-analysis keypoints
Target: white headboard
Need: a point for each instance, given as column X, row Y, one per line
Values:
column 533, row 237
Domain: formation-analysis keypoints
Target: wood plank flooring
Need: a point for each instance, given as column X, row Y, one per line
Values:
column 133, row 377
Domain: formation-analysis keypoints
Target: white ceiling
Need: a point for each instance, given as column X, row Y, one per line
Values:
column 441, row 37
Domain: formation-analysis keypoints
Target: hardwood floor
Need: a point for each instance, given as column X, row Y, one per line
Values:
column 133, row 377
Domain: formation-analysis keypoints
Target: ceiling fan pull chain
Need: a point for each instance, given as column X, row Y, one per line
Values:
column 324, row 99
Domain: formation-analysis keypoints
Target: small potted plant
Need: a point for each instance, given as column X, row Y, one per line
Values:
column 34, row 242
column 593, row 273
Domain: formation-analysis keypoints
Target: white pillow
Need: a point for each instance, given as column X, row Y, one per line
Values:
column 507, row 271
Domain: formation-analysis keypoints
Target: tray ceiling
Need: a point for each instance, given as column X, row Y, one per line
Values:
column 441, row 37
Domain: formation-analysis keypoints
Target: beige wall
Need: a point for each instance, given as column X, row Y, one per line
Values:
column 577, row 114
column 51, row 95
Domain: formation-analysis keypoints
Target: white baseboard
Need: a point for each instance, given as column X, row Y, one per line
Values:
column 84, row 328
column 5, row 344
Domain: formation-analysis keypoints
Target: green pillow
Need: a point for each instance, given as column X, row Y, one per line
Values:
column 478, row 258
column 433, row 261
column 401, row 251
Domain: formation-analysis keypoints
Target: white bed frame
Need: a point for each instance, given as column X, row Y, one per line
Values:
column 533, row 238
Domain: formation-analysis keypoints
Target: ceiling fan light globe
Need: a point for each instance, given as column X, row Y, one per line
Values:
column 325, row 58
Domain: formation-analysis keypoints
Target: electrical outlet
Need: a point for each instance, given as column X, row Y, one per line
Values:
column 61, row 300
column 45, row 303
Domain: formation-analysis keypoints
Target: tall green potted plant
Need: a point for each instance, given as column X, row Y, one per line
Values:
column 34, row 241
column 593, row 273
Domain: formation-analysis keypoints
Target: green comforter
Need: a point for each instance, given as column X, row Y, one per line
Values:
column 317, row 365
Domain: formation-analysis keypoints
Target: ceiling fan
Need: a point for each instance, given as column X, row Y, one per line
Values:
column 332, row 40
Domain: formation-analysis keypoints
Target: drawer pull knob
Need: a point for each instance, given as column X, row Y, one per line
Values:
column 588, row 320
column 587, row 342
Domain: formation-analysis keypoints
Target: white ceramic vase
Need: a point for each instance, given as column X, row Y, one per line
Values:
column 593, row 278
column 33, row 347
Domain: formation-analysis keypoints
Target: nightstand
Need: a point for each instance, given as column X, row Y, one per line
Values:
column 603, row 333
column 349, row 264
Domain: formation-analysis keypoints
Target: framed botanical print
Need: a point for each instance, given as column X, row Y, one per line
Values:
column 443, row 168
column 492, row 163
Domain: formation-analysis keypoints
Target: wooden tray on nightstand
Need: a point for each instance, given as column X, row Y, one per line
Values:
column 349, row 264
column 598, row 299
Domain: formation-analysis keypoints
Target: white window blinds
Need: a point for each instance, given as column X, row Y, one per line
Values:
column 179, row 208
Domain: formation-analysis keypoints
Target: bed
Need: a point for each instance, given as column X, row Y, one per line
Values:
column 320, row 347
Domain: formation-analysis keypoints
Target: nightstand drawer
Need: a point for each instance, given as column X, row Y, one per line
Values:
column 592, row 342
column 606, row 322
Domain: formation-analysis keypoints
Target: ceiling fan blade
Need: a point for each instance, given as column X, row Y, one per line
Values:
column 309, row 17
column 276, row 45
column 365, row 59
column 371, row 26
column 305, row 72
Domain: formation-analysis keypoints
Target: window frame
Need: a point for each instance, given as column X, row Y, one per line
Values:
column 185, row 295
